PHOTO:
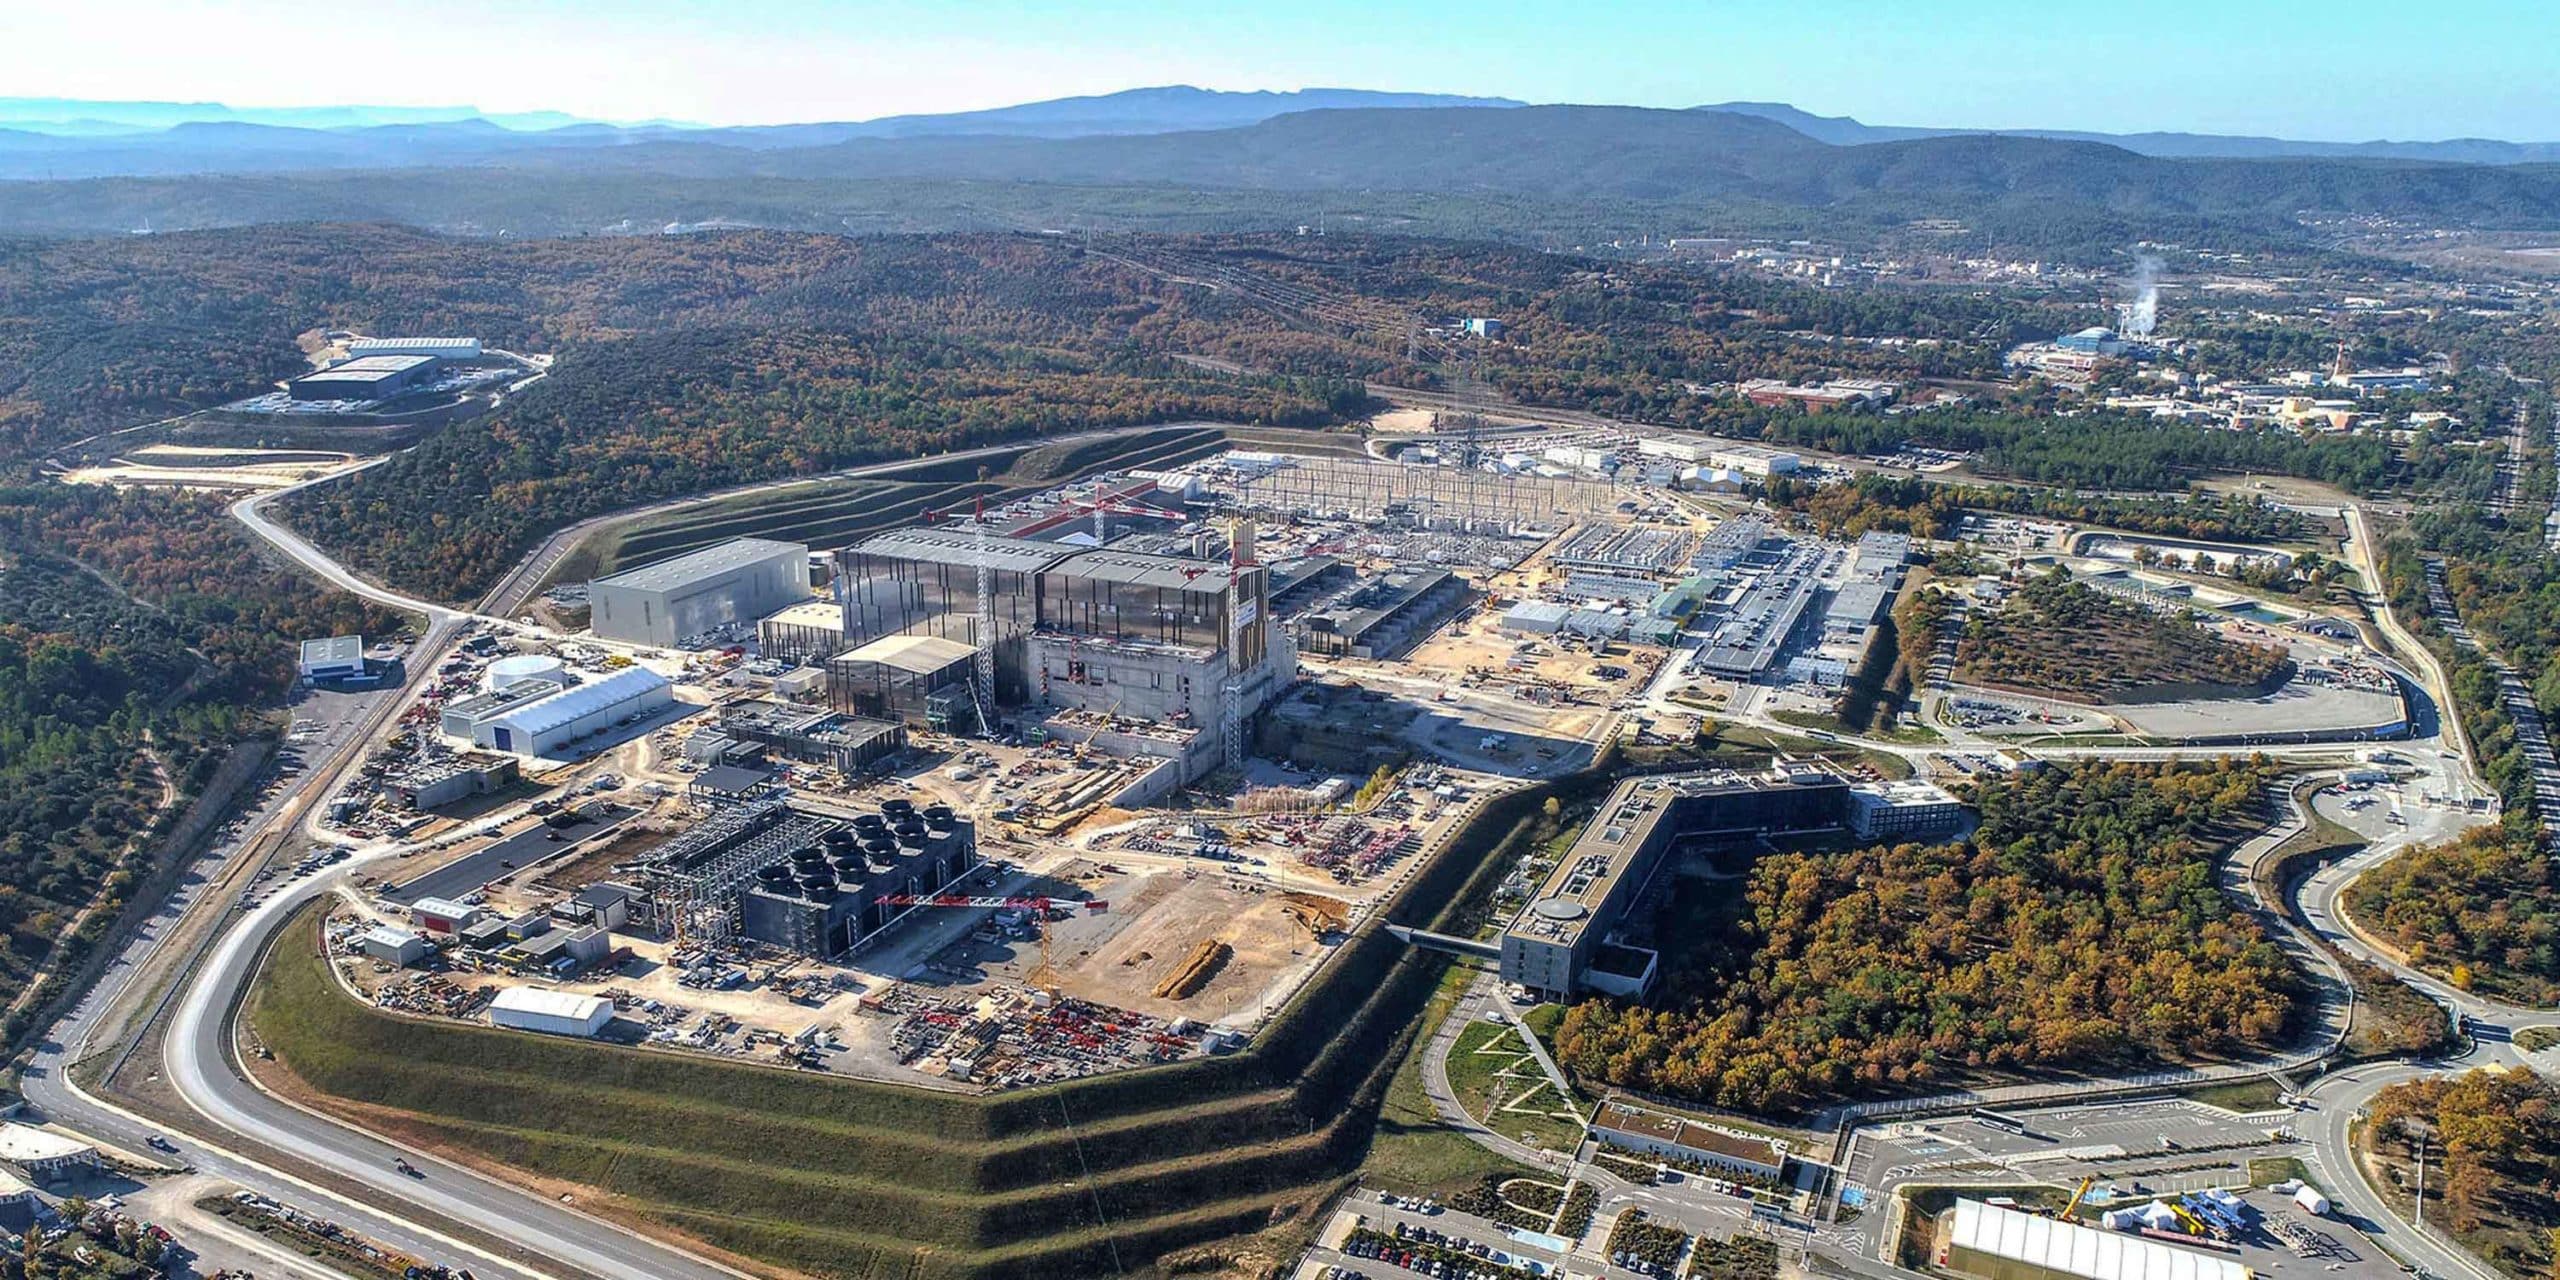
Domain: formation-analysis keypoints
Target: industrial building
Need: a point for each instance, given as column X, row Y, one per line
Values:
column 807, row 632
column 444, row 780
column 1560, row 944
column 813, row 735
column 394, row 945
column 1632, row 1128
column 1119, row 632
column 1565, row 942
column 1758, row 612
column 1993, row 1242
column 672, row 601
column 1901, row 810
column 440, row 348
column 1382, row 616
column 927, row 680
column 335, row 658
column 43, row 1156
column 520, row 667
column 364, row 378
column 559, row 1013
column 818, row 884
column 539, row 718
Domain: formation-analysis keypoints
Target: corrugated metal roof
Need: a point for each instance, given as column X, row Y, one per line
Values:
column 955, row 545
column 578, row 700
column 336, row 651
column 922, row 655
column 1175, row 573
column 693, row 565
column 2078, row 1250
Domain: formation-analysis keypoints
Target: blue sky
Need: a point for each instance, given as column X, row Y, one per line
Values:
column 2339, row 69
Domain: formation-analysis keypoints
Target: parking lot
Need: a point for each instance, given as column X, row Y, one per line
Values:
column 2166, row 1143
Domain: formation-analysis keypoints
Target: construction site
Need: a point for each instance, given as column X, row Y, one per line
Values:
column 1092, row 778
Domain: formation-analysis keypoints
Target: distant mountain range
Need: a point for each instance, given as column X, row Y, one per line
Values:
column 65, row 138
column 1193, row 159
column 1842, row 131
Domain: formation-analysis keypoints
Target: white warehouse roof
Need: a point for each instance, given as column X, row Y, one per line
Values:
column 586, row 699
column 2079, row 1250
column 551, row 1004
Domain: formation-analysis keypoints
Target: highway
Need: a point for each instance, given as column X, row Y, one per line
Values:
column 545, row 1240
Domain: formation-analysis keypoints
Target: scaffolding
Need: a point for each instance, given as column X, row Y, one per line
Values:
column 696, row 877
column 1465, row 498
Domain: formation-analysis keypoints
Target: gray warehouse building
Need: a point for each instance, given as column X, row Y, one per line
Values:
column 364, row 378
column 670, row 601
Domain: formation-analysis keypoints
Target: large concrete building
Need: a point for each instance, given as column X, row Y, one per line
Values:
column 364, row 378
column 1123, row 633
column 1568, row 939
column 675, row 600
column 815, row 883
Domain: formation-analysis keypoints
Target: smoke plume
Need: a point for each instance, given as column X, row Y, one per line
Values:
column 2136, row 315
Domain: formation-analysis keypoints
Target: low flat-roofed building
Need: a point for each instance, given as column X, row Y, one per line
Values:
column 556, row 1012
column 41, row 1155
column 1992, row 1242
column 1634, row 1128
column 333, row 658
column 364, row 378
column 1382, row 617
column 813, row 735
column 444, row 780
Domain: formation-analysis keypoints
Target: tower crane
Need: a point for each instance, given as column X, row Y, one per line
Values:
column 1045, row 977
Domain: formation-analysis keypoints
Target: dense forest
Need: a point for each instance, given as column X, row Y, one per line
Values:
column 2080, row 927
column 138, row 631
column 2480, row 910
column 1926, row 509
column 2497, row 1136
column 2061, row 638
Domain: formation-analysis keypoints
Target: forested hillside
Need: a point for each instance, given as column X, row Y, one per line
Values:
column 2060, row 638
column 2081, row 928
column 2480, row 910
column 628, row 421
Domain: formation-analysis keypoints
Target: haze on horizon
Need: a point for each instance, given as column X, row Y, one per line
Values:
column 2344, row 70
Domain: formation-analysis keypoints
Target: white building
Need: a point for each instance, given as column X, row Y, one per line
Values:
column 441, row 348
column 552, row 724
column 559, row 1013
column 42, row 1155
column 1979, row 1239
column 1679, row 448
column 335, row 658
column 1752, row 460
column 394, row 945
column 670, row 601
column 1885, row 810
